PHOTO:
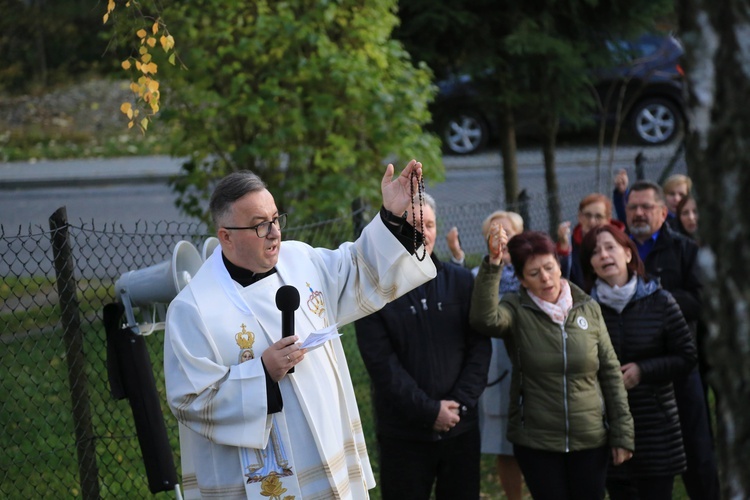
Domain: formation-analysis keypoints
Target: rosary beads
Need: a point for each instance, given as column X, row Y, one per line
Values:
column 420, row 191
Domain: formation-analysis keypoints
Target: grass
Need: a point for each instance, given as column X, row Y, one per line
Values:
column 77, row 119
column 38, row 454
column 29, row 304
column 54, row 143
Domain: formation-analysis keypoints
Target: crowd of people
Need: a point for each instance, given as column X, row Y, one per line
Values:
column 575, row 359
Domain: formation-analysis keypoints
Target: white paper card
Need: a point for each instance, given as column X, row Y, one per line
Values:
column 320, row 337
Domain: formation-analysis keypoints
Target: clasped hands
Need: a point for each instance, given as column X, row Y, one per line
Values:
column 448, row 416
column 497, row 239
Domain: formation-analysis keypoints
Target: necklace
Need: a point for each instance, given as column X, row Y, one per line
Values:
column 420, row 192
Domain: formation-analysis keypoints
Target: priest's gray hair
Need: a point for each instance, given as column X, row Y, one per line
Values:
column 428, row 200
column 230, row 189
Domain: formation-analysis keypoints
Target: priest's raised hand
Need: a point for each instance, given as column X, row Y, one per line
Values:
column 397, row 193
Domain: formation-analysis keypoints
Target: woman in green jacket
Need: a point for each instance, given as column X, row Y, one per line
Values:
column 569, row 409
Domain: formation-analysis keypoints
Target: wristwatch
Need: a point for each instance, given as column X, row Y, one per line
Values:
column 392, row 219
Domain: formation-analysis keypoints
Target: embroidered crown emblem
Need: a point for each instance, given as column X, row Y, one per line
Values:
column 315, row 302
column 244, row 338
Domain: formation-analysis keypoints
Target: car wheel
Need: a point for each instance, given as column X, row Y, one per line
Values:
column 464, row 134
column 655, row 121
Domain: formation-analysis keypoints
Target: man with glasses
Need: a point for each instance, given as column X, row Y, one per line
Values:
column 594, row 210
column 250, row 428
column 672, row 258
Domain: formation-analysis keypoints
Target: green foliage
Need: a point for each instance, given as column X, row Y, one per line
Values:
column 312, row 96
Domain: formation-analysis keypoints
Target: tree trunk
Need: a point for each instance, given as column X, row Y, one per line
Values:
column 550, row 129
column 37, row 6
column 510, row 157
column 716, row 39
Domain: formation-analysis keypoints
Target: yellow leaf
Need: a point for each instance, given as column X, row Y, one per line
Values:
column 150, row 68
column 155, row 27
column 127, row 109
column 141, row 33
column 104, row 19
column 146, row 57
column 144, row 124
column 110, row 5
column 167, row 42
column 171, row 59
column 151, row 41
column 142, row 50
column 142, row 80
column 127, row 4
column 153, row 85
column 130, row 124
column 126, row 64
column 134, row 87
column 138, row 65
column 155, row 106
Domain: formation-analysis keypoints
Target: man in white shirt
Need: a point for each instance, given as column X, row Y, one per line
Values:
column 248, row 428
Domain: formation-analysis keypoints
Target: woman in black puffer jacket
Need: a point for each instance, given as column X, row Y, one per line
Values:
column 654, row 346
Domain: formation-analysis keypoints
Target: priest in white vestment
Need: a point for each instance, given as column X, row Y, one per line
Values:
column 248, row 428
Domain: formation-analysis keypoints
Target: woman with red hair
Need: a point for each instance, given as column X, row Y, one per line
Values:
column 569, row 409
column 594, row 210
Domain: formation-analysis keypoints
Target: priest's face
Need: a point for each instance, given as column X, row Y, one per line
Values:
column 243, row 247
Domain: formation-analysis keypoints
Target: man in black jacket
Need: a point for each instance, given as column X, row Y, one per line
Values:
column 672, row 259
column 428, row 369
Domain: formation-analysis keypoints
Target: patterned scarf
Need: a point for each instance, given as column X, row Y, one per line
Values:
column 559, row 310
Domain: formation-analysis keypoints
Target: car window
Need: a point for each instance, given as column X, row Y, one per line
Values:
column 647, row 48
column 623, row 52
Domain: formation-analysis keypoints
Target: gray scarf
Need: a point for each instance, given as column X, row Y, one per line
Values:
column 616, row 297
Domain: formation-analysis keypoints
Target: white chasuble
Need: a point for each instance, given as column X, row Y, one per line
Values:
column 216, row 387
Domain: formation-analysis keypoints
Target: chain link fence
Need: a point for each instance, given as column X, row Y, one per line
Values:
column 62, row 433
column 458, row 203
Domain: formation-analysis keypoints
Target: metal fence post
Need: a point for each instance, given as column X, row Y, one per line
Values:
column 358, row 216
column 523, row 208
column 667, row 170
column 640, row 166
column 71, row 322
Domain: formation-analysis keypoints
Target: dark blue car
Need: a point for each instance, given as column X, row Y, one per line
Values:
column 651, row 108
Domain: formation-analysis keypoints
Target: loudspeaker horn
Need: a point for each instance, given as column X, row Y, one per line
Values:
column 160, row 283
column 209, row 246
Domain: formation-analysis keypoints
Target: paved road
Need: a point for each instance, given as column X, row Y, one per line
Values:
column 120, row 204
column 123, row 192
column 126, row 190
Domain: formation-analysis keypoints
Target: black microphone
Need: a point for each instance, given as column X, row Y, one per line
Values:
column 287, row 301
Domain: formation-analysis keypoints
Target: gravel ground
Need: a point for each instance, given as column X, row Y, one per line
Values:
column 88, row 107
